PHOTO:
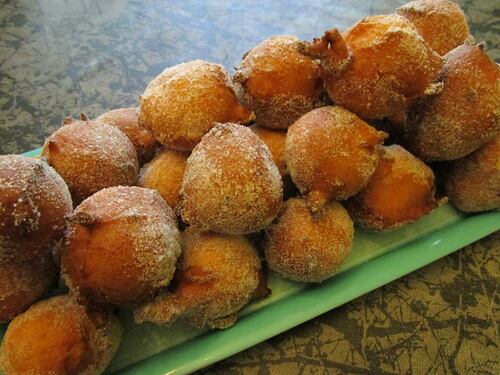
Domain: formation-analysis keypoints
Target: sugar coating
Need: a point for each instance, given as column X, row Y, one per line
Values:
column 441, row 23
column 165, row 173
column 331, row 154
column 231, row 184
column 466, row 113
column 91, row 156
column 278, row 83
column 127, row 120
column 185, row 101
column 134, row 234
column 23, row 282
column 217, row 276
column 390, row 67
column 473, row 182
column 308, row 247
column 34, row 201
column 57, row 336
column 275, row 141
column 400, row 191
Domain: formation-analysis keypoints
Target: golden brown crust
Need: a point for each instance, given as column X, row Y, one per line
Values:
column 59, row 337
column 473, row 182
column 34, row 201
column 391, row 66
column 308, row 247
column 231, row 184
column 217, row 276
column 24, row 282
column 127, row 120
column 165, row 173
column 275, row 141
column 121, row 246
column 331, row 154
column 279, row 83
column 400, row 191
column 91, row 156
column 464, row 115
column 185, row 101
column 441, row 23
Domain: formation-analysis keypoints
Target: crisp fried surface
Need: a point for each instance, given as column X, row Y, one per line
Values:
column 23, row 282
column 34, row 200
column 185, row 101
column 278, row 83
column 275, row 141
column 58, row 337
column 464, row 115
column 121, row 246
column 400, row 191
column 165, row 173
column 231, row 184
column 217, row 276
column 331, row 154
column 91, row 156
column 127, row 120
column 473, row 182
column 306, row 247
column 391, row 66
column 441, row 23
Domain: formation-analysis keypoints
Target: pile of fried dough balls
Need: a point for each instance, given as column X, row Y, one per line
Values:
column 299, row 144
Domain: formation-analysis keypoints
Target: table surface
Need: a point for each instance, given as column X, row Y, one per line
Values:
column 62, row 57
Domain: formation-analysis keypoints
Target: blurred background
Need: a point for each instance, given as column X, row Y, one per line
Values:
column 62, row 57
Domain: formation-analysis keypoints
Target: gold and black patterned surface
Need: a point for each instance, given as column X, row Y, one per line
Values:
column 62, row 57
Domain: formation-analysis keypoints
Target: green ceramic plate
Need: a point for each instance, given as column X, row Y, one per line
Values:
column 376, row 259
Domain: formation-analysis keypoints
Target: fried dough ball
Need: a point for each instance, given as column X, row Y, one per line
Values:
column 34, row 201
column 91, row 156
column 377, row 67
column 441, row 23
column 164, row 173
column 275, row 142
column 185, row 101
column 331, row 154
column 464, row 115
column 473, row 183
column 279, row 83
column 121, row 246
column 217, row 276
column 400, row 191
column 58, row 337
column 23, row 282
column 127, row 120
column 308, row 247
column 231, row 184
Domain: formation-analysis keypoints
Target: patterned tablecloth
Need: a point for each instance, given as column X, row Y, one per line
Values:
column 63, row 57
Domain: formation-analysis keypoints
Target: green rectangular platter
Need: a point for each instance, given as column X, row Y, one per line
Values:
column 376, row 259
